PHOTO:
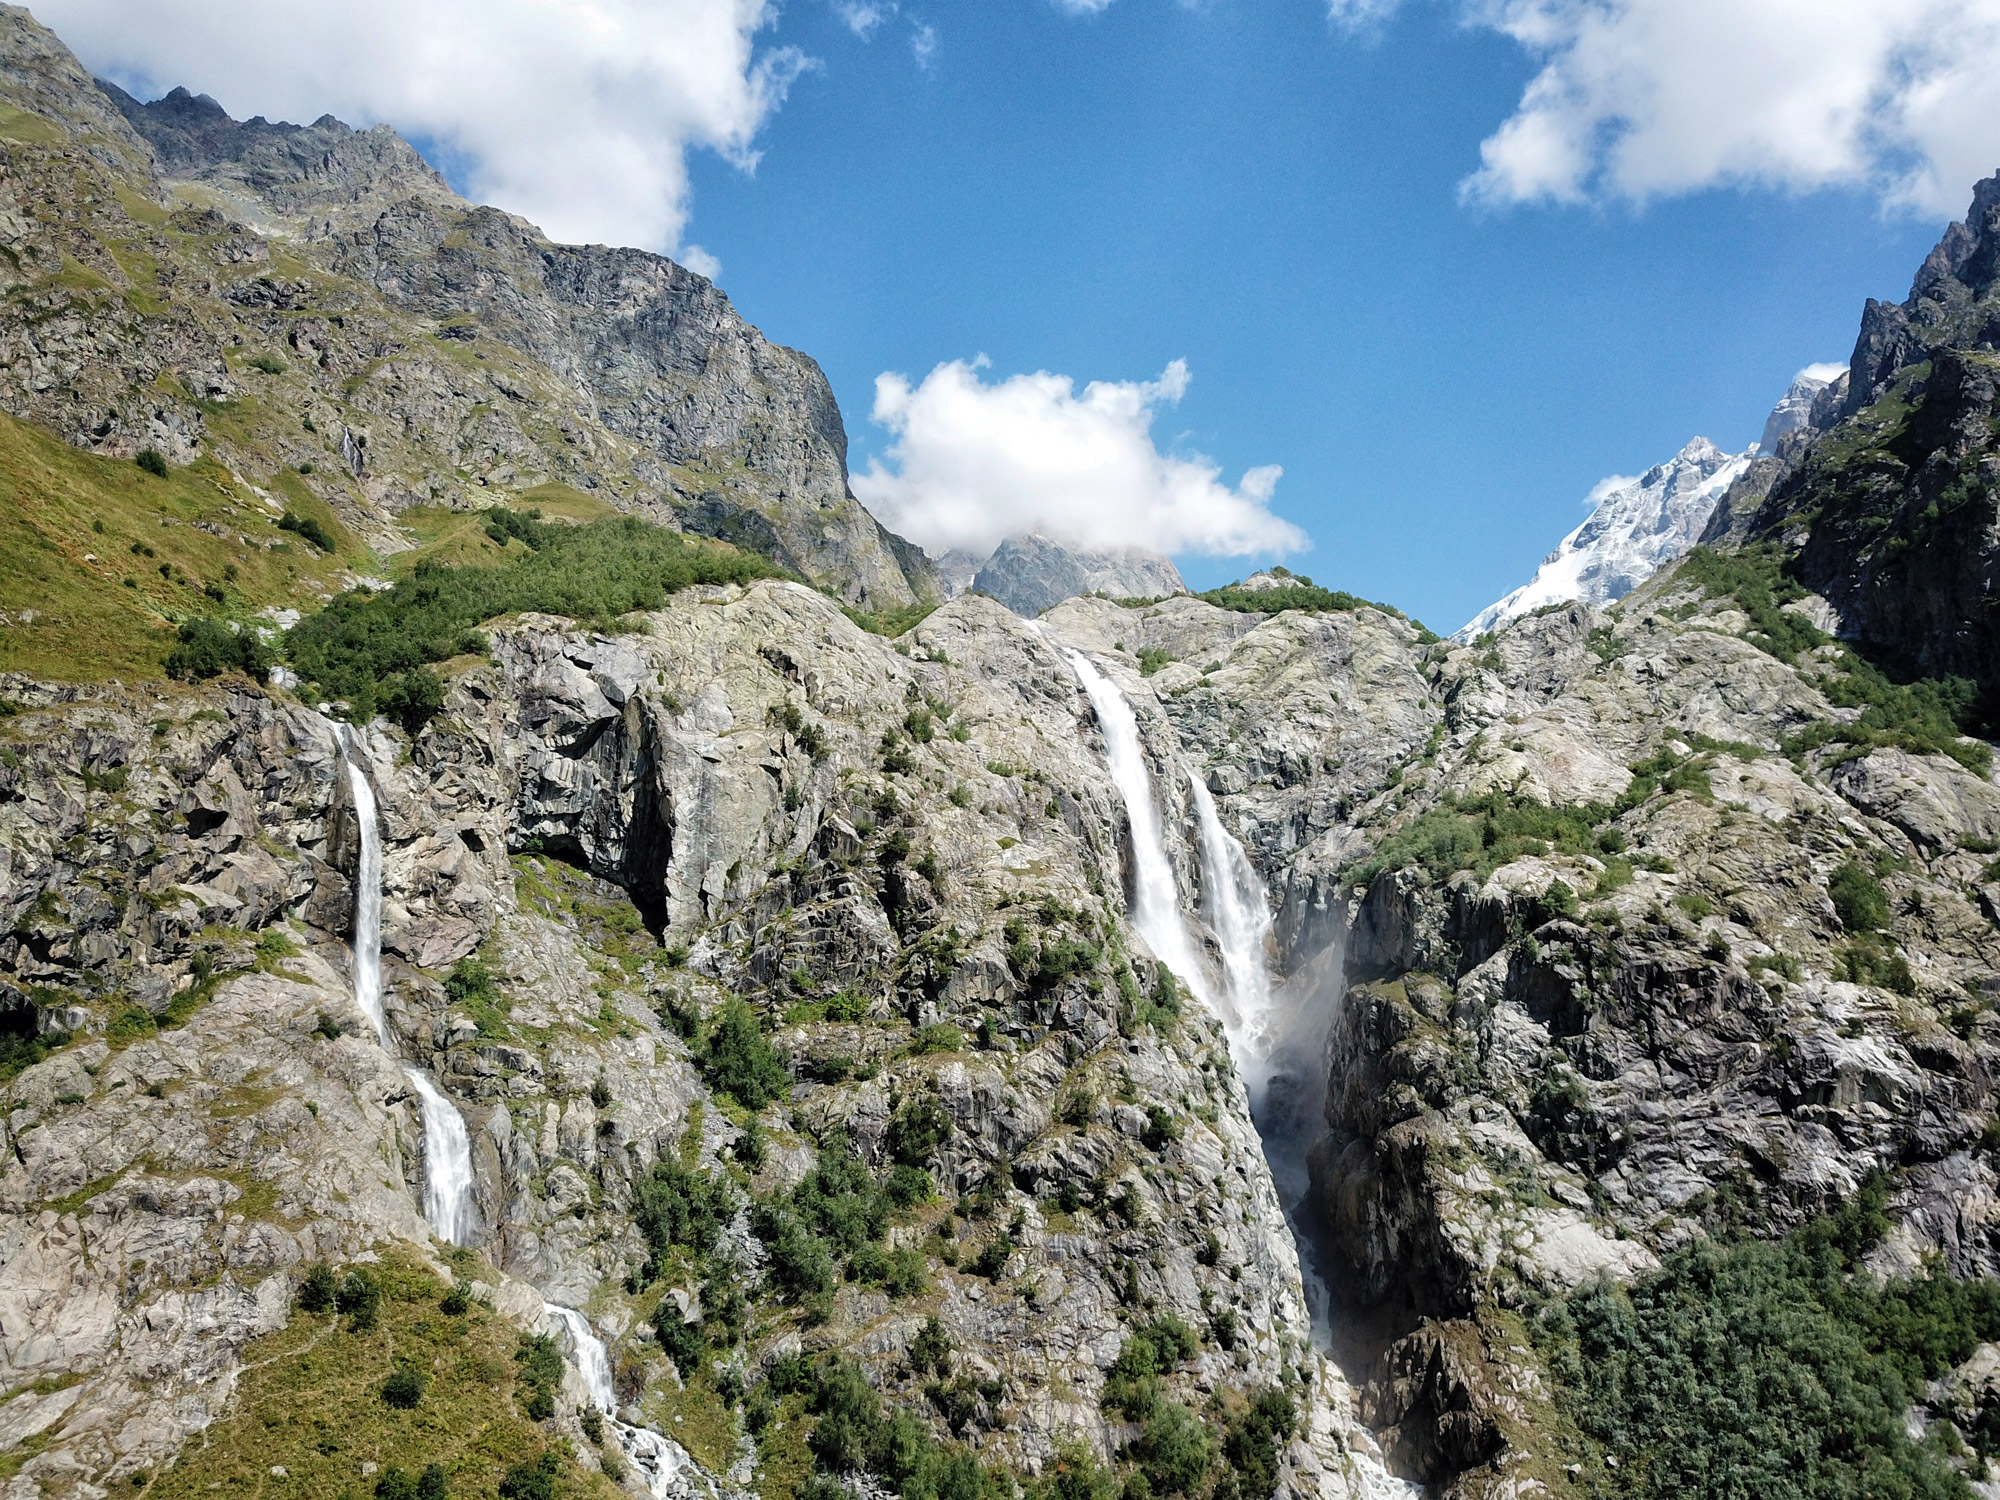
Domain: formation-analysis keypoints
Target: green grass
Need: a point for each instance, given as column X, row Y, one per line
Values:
column 310, row 1401
column 88, row 625
column 375, row 650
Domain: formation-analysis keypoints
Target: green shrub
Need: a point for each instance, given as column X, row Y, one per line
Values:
column 1175, row 1452
column 1858, row 898
column 270, row 364
column 1777, row 1370
column 939, row 1037
column 684, row 1342
column 153, row 462
column 309, row 529
column 359, row 1296
column 737, row 1059
column 538, row 1377
column 208, row 647
column 917, row 1128
column 1301, row 594
column 404, row 1388
column 364, row 639
column 801, row 1265
column 317, row 1289
column 674, row 1206
column 533, row 1480
column 1151, row 659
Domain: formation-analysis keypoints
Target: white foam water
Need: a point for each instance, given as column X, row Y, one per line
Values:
column 449, row 1206
column 1156, row 905
column 367, row 889
column 448, row 1201
column 659, row 1459
column 1239, row 914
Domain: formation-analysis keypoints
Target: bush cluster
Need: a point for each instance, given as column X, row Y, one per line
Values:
column 366, row 646
column 208, row 647
column 1781, row 1370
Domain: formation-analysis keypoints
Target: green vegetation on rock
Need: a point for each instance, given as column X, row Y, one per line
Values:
column 373, row 649
column 1776, row 1370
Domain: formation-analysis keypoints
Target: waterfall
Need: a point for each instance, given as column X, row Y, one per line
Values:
column 1156, row 905
column 367, row 890
column 447, row 1162
column 593, row 1362
column 1239, row 913
column 1278, row 1047
column 448, row 1202
column 658, row 1459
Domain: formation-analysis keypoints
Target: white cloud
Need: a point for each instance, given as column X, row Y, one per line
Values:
column 577, row 114
column 924, row 44
column 1824, row 373
column 863, row 16
column 1639, row 99
column 701, row 262
column 1081, row 7
column 974, row 463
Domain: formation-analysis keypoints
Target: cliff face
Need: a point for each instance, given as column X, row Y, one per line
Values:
column 1890, row 507
column 871, row 845
column 314, row 305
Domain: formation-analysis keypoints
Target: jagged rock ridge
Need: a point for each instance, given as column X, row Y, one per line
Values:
column 1030, row 572
column 315, row 302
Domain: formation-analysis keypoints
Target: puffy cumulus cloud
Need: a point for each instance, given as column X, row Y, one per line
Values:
column 577, row 114
column 1638, row 99
column 973, row 462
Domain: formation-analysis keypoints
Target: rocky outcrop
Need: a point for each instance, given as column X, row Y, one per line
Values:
column 1890, row 510
column 313, row 306
column 1030, row 573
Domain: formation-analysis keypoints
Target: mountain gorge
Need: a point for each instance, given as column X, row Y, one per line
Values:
column 733, row 1024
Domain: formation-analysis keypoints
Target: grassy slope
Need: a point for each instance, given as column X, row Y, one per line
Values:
column 88, row 624
column 309, row 1402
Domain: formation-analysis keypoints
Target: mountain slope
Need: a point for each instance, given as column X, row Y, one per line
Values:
column 314, row 301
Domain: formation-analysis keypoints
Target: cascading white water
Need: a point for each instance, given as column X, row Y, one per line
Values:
column 658, row 1458
column 367, row 890
column 448, row 1203
column 1239, row 913
column 1156, row 905
column 593, row 1360
column 1266, row 1036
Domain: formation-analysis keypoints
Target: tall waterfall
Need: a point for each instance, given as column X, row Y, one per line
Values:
column 448, row 1201
column 367, row 889
column 1277, row 1046
column 1239, row 913
column 1156, row 905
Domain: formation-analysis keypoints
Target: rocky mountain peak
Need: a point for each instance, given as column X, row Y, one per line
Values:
column 1636, row 526
column 1031, row 571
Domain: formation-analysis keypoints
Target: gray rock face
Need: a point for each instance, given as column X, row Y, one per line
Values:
column 1030, row 572
column 423, row 351
column 710, row 816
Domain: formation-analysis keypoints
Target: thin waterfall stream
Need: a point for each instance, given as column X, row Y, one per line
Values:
column 1277, row 1046
column 656, row 1456
column 449, row 1206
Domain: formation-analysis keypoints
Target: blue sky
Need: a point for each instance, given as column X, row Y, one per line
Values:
column 1447, row 263
column 1274, row 199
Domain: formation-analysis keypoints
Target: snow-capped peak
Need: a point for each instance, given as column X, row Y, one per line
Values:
column 1637, row 526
